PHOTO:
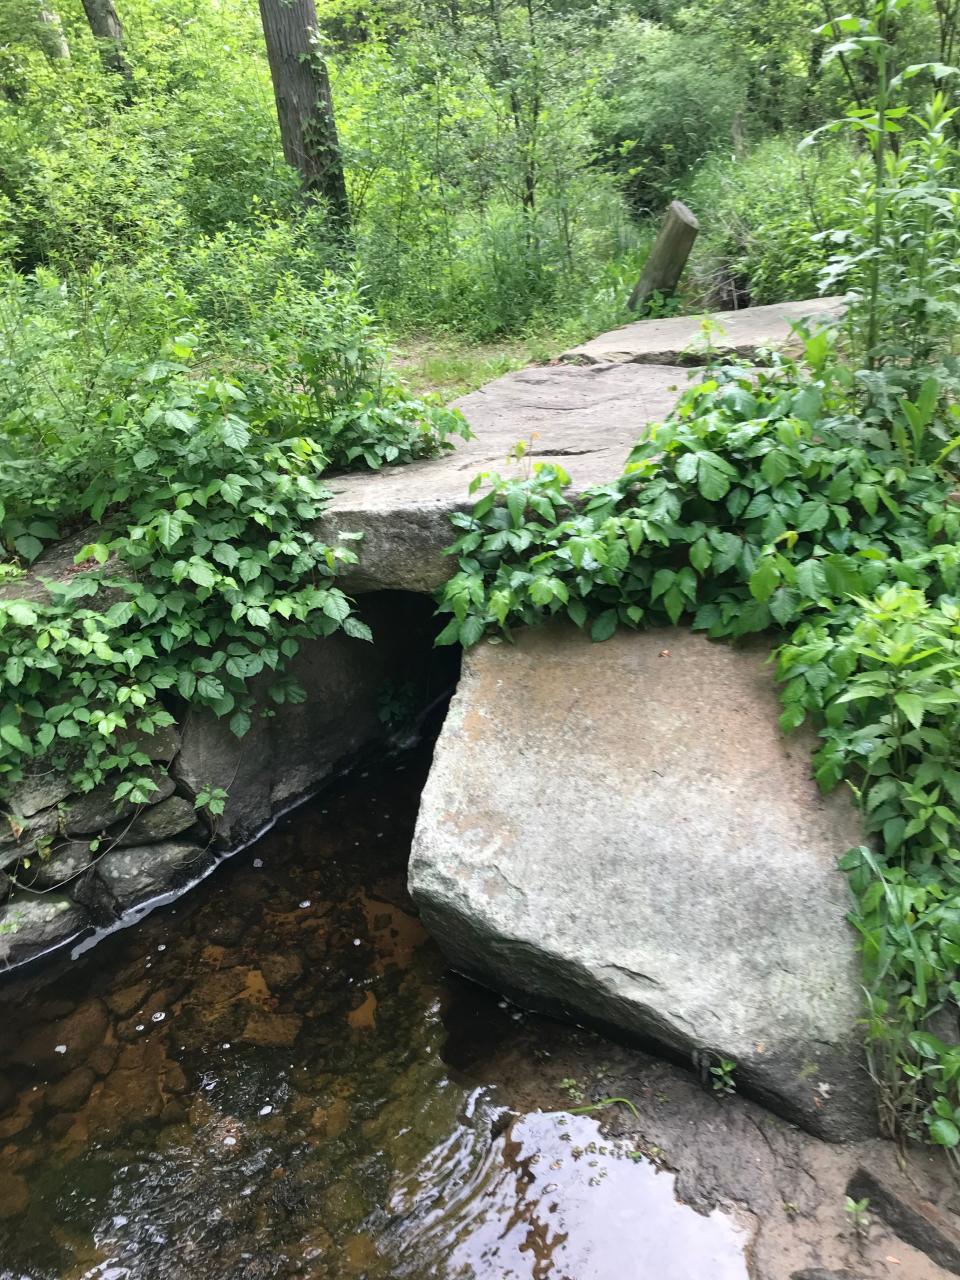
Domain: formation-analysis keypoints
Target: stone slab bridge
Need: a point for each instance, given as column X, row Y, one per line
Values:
column 619, row 833
column 585, row 413
column 613, row 832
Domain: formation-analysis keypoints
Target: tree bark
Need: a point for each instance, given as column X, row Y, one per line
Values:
column 108, row 32
column 301, row 88
column 664, row 266
column 54, row 41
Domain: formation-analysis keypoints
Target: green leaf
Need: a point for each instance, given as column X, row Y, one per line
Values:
column 231, row 489
column 674, row 602
column 470, row 631
column 226, row 554
column 169, row 528
column 701, row 554
column 807, row 404
column 577, row 612
column 235, row 433
column 944, row 1132
column 239, row 723
column 604, row 625
column 144, row 458
column 28, row 546
column 776, row 466
column 186, row 684
column 765, row 579
column 814, row 514
column 912, row 707
column 783, row 605
column 516, row 505
column 209, row 688
column 336, row 605
column 357, row 629
column 811, row 579
column 450, row 633
column 714, row 475
column 12, row 735
column 199, row 571
column 21, row 612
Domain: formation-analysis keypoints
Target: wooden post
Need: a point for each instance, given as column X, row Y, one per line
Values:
column 671, row 249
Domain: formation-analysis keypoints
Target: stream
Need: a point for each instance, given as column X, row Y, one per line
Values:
column 277, row 1076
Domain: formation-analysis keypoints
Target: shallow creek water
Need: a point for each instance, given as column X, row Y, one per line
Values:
column 277, row 1076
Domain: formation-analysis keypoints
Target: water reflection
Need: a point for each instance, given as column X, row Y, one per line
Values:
column 277, row 1078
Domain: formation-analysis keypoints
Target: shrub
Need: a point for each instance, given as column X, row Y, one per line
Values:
column 667, row 102
column 764, row 216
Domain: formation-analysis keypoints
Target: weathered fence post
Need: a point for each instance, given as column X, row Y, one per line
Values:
column 669, row 254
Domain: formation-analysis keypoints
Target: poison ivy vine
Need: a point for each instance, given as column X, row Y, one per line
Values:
column 203, row 573
column 764, row 503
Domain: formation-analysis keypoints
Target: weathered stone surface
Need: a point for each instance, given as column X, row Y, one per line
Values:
column 619, row 831
column 162, row 745
column 21, row 836
column 63, row 866
column 159, row 822
column 679, row 340
column 134, row 876
column 94, row 812
column 914, row 1219
column 29, row 926
column 36, row 792
column 586, row 420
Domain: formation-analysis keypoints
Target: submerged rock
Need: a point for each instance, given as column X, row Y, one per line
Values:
column 620, row 832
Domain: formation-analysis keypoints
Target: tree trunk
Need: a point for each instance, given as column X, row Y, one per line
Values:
column 54, row 41
column 301, row 87
column 108, row 32
column 663, row 268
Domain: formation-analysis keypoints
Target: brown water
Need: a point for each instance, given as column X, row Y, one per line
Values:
column 277, row 1076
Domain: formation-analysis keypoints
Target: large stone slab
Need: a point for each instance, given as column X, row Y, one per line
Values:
column 585, row 419
column 680, row 339
column 620, row 832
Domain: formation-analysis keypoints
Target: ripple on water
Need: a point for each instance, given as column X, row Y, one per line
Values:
column 554, row 1198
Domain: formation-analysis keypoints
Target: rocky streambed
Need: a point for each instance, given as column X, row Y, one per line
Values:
column 278, row 1075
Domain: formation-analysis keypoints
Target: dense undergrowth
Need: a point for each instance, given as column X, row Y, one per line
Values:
column 817, row 501
column 194, row 478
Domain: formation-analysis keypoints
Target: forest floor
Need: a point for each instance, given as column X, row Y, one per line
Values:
column 452, row 366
